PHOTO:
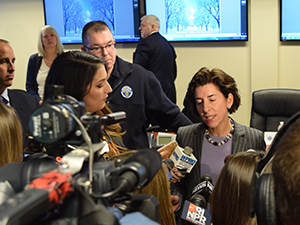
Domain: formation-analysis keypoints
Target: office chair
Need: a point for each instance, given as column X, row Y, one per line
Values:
column 270, row 106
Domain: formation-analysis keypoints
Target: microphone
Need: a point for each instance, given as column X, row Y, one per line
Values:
column 113, row 118
column 193, row 214
column 166, row 151
column 204, row 189
column 140, row 168
column 227, row 158
column 194, row 211
column 184, row 160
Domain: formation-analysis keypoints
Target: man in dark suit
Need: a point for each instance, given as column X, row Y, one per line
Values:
column 22, row 102
column 156, row 54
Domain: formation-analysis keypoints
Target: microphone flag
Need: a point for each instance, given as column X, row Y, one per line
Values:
column 195, row 214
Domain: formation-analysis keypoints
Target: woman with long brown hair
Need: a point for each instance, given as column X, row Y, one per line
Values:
column 84, row 77
column 230, row 197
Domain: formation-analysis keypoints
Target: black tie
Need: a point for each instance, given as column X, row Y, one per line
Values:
column 3, row 100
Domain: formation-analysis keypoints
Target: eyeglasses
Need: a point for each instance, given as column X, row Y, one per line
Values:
column 100, row 49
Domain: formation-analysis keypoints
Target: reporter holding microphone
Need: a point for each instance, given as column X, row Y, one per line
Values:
column 213, row 95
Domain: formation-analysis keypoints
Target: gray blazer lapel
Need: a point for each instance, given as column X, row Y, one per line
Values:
column 198, row 135
column 238, row 141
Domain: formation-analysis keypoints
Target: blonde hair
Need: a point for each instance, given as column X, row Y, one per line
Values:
column 159, row 187
column 59, row 45
column 11, row 141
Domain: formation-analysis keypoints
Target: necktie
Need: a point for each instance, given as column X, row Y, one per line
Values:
column 3, row 100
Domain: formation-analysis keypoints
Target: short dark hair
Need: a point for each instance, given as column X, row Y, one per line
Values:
column 95, row 26
column 75, row 70
column 224, row 82
column 3, row 40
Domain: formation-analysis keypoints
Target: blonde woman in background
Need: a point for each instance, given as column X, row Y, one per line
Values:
column 11, row 141
column 49, row 46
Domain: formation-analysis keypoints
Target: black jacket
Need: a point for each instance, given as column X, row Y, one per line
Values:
column 138, row 92
column 34, row 64
column 156, row 54
column 25, row 105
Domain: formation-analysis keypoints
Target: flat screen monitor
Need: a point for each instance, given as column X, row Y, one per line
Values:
column 289, row 20
column 201, row 20
column 68, row 17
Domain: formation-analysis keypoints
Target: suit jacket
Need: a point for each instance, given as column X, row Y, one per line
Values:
column 244, row 138
column 156, row 54
column 25, row 105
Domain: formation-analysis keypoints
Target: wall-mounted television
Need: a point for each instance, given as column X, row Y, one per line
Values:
column 68, row 17
column 289, row 20
column 201, row 20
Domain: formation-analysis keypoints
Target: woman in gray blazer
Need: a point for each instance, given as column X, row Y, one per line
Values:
column 213, row 95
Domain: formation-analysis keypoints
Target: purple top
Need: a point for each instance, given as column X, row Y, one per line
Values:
column 212, row 158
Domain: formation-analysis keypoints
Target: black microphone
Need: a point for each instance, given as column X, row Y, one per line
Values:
column 194, row 211
column 169, row 163
column 113, row 118
column 140, row 168
column 203, row 189
column 193, row 214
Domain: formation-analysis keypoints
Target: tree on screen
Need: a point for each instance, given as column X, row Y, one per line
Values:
column 103, row 10
column 207, row 16
column 202, row 19
column 72, row 16
column 213, row 8
column 175, row 15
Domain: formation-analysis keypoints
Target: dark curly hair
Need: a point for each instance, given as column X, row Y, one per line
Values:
column 224, row 82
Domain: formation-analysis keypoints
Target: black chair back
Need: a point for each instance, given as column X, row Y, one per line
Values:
column 270, row 106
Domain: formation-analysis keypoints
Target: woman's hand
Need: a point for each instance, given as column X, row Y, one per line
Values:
column 176, row 175
column 175, row 202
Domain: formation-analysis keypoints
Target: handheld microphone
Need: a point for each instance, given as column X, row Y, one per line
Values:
column 167, row 151
column 193, row 214
column 204, row 188
column 194, row 211
column 227, row 158
column 184, row 160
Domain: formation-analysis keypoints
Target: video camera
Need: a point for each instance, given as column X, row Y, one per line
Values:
column 81, row 186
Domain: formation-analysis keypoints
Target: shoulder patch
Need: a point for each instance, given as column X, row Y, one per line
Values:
column 126, row 91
